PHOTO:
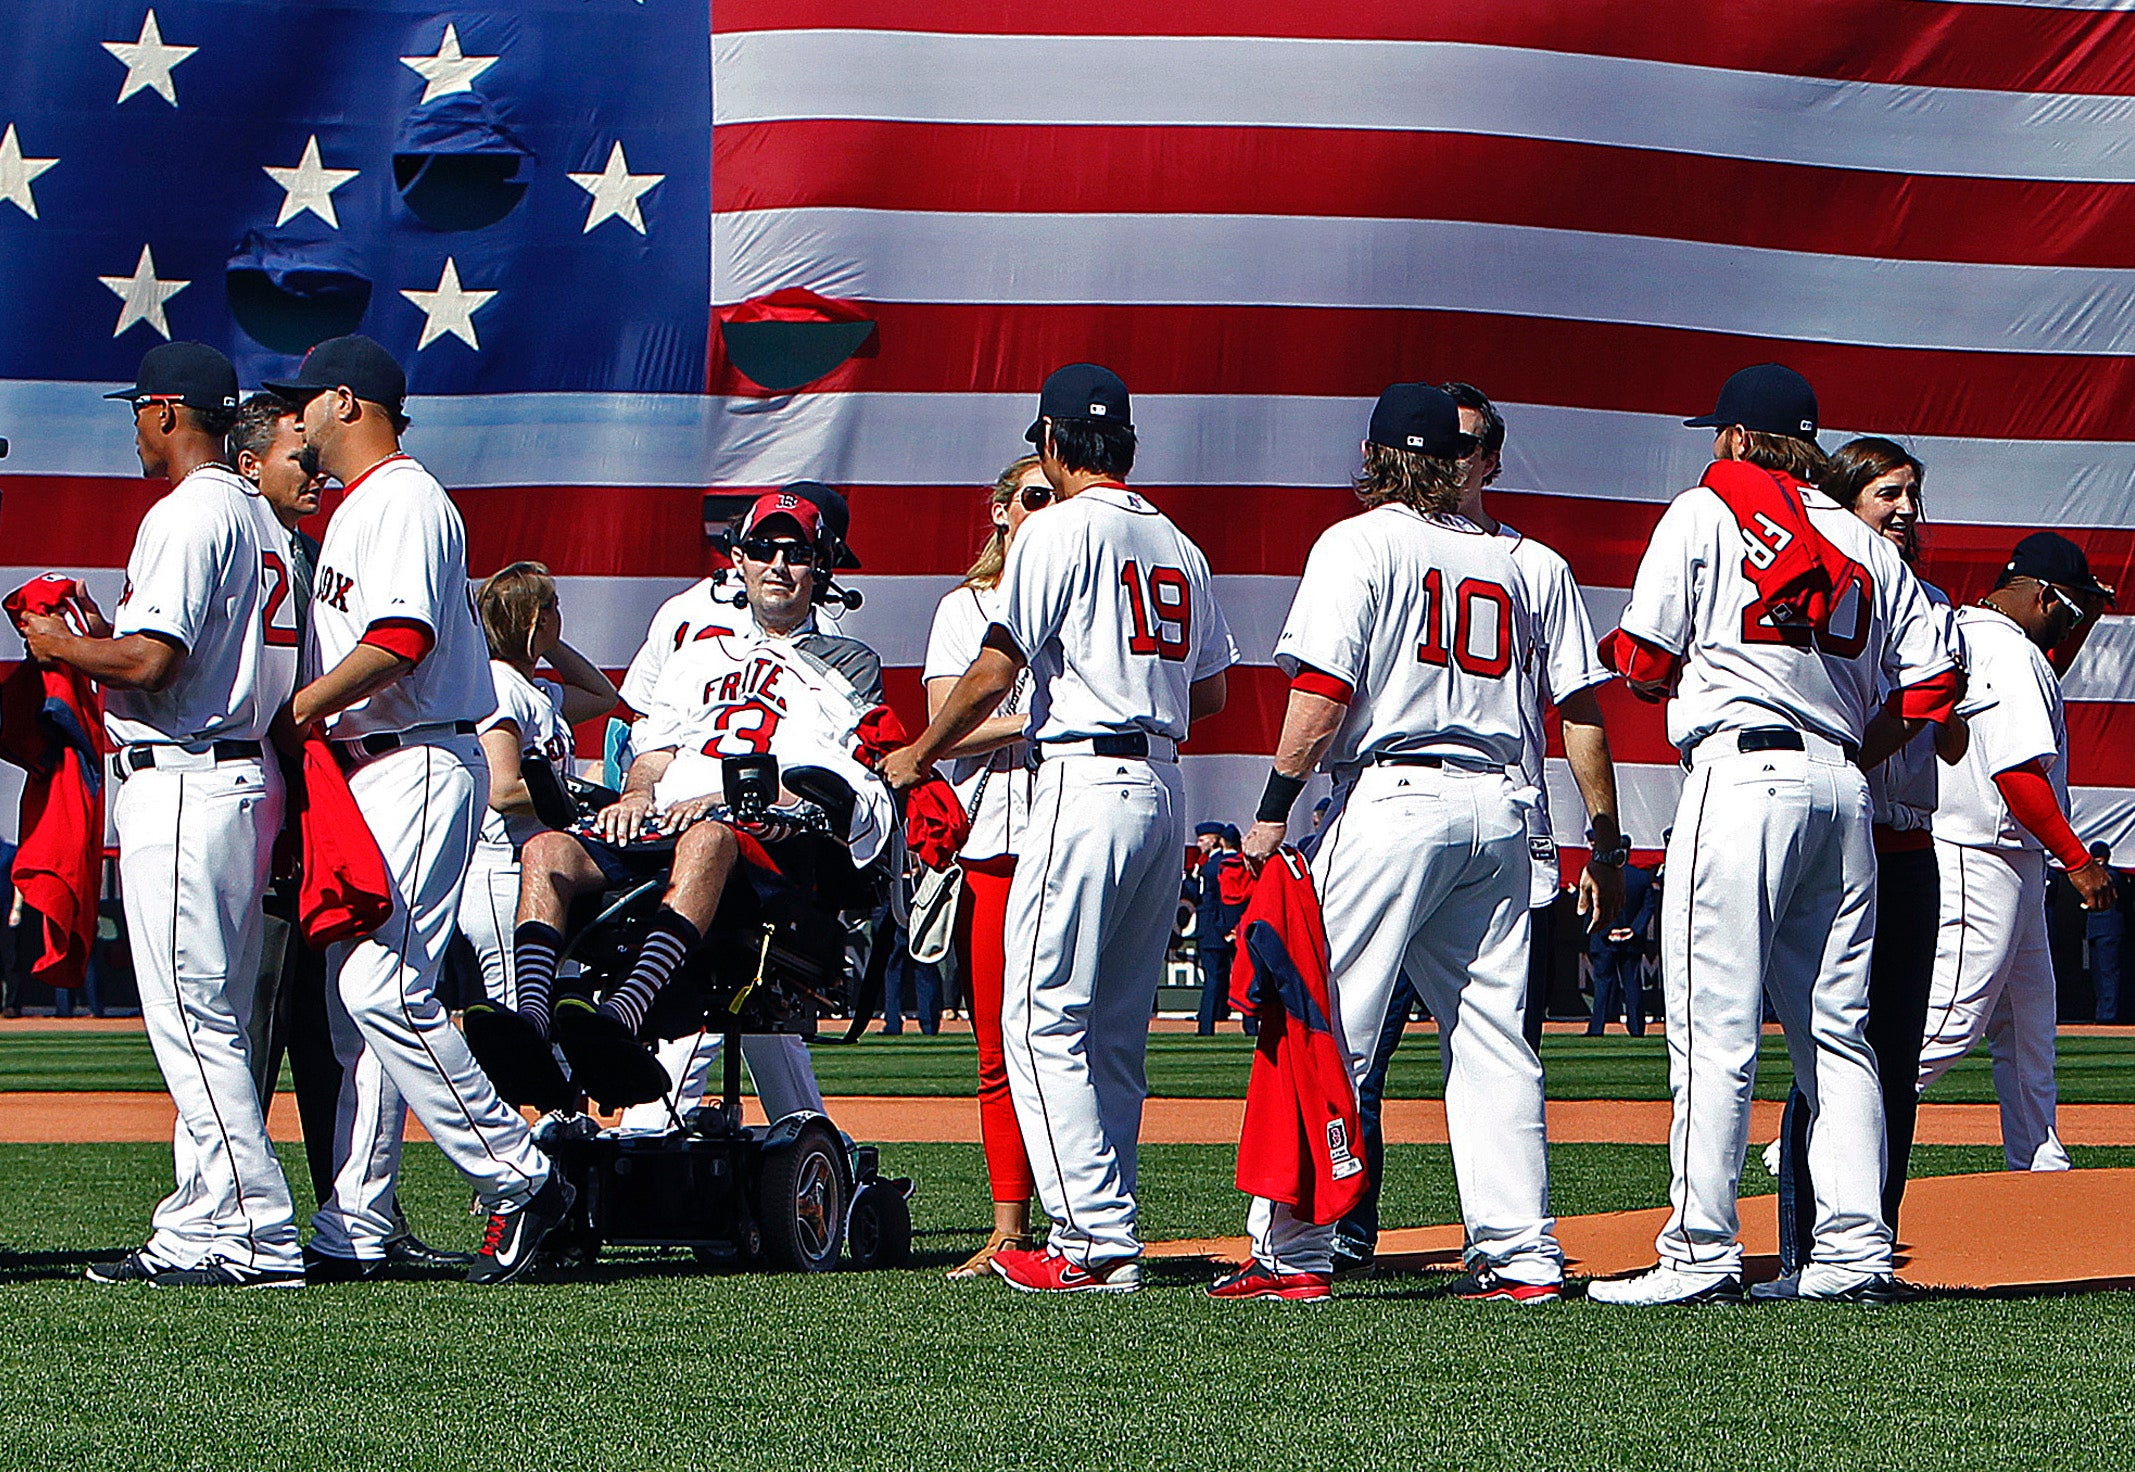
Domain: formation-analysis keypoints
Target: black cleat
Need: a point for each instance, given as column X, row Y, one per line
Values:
column 513, row 1239
column 606, row 1058
column 410, row 1254
column 516, row 1057
column 134, row 1267
column 224, row 1275
column 328, row 1267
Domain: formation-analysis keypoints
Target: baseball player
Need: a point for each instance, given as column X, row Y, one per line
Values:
column 2003, row 810
column 1110, row 608
column 402, row 683
column 522, row 619
column 1881, row 483
column 1409, row 646
column 1563, row 674
column 198, row 657
column 1779, row 623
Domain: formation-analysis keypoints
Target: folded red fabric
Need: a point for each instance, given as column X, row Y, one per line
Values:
column 52, row 726
column 935, row 823
column 346, row 891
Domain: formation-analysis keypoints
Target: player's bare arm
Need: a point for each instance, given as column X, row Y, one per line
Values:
column 624, row 820
column 992, row 734
column 587, row 693
column 1309, row 724
column 366, row 670
column 982, row 687
column 508, row 791
column 1206, row 697
column 1586, row 749
column 1885, row 735
column 135, row 662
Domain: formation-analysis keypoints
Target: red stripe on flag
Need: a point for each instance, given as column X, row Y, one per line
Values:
column 1371, row 174
column 2016, row 48
column 957, row 347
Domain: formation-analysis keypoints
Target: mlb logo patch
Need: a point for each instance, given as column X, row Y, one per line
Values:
column 1097, row 410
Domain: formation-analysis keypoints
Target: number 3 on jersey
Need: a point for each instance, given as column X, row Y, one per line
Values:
column 1165, row 606
column 1472, row 595
column 279, row 626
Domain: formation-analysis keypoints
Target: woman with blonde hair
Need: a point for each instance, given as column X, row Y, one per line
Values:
column 992, row 779
column 523, row 620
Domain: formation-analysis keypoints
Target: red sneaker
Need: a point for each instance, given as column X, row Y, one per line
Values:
column 1034, row 1270
column 1485, row 1286
column 1255, row 1281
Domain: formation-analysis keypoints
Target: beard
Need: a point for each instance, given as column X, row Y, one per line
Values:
column 308, row 458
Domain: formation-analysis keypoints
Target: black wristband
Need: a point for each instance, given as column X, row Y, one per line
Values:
column 1278, row 797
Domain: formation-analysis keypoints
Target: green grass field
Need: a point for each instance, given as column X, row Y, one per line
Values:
column 647, row 1363
column 2092, row 1070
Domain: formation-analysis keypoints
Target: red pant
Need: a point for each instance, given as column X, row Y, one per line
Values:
column 981, row 917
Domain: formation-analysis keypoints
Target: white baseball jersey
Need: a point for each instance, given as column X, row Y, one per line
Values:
column 208, row 571
column 397, row 549
column 1565, row 663
column 1429, row 620
column 960, row 624
column 1112, row 607
column 722, row 697
column 1906, row 788
column 536, row 708
column 693, row 613
column 2012, row 707
column 1693, row 598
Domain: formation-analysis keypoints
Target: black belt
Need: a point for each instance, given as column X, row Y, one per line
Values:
column 1784, row 738
column 378, row 743
column 1432, row 759
column 1133, row 743
column 140, row 758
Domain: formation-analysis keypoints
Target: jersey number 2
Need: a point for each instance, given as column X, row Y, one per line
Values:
column 1165, row 606
column 1490, row 665
column 276, row 573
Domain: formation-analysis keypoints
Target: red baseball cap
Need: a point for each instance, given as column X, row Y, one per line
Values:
column 801, row 511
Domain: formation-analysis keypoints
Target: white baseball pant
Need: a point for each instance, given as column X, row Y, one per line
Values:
column 489, row 906
column 1426, row 870
column 196, row 839
column 778, row 1063
column 1771, row 891
column 1089, row 916
column 1994, row 975
column 397, row 1046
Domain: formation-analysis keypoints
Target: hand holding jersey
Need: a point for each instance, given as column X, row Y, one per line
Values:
column 1771, row 865
column 1410, row 646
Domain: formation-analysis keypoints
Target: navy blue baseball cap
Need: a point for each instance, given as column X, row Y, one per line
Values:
column 1768, row 397
column 189, row 373
column 2052, row 558
column 355, row 363
column 1421, row 419
column 1082, row 391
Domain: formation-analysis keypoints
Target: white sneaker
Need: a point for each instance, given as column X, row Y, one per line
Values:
column 1822, row 1282
column 1666, row 1284
column 1771, row 1159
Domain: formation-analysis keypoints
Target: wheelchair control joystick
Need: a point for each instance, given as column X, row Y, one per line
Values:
column 750, row 784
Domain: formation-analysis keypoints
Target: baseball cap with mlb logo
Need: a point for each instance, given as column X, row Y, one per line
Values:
column 771, row 506
column 1081, row 391
column 1770, row 398
column 1422, row 419
column 189, row 373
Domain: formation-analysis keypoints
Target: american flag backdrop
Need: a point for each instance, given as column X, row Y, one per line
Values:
column 1258, row 214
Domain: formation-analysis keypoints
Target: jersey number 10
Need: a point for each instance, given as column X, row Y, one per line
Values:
column 1165, row 606
column 1471, row 592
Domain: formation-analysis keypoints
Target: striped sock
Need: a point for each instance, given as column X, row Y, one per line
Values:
column 535, row 947
column 666, row 943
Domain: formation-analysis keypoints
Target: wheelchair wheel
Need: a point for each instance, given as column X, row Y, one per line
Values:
column 801, row 1201
column 879, row 1234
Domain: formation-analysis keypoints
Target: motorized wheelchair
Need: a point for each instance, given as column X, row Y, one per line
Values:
column 778, row 958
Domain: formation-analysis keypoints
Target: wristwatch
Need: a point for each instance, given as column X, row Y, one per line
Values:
column 1613, row 858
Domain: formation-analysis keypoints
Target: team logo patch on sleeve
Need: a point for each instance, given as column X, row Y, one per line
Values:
column 1340, row 1158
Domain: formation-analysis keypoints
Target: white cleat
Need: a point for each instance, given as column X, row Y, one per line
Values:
column 1665, row 1284
column 1823, row 1283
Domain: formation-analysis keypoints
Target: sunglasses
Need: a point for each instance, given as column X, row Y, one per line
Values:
column 767, row 550
column 2075, row 609
column 1035, row 498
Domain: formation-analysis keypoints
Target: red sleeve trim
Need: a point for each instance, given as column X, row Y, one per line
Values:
column 1640, row 662
column 1933, row 699
column 408, row 638
column 1320, row 683
column 2031, row 802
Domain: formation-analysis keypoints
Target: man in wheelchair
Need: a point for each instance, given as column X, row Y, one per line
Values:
column 829, row 819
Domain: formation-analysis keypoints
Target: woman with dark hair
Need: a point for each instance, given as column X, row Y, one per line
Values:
column 992, row 779
column 522, row 619
column 1881, row 481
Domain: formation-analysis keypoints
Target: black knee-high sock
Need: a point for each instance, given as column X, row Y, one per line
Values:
column 535, row 949
column 666, row 943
